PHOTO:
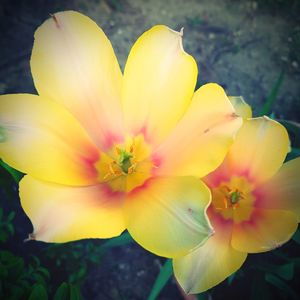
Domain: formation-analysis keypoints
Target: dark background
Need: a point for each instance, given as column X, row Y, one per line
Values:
column 251, row 48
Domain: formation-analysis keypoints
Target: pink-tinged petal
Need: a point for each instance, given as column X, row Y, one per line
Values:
column 282, row 190
column 159, row 82
column 167, row 215
column 40, row 137
column 259, row 150
column 202, row 138
column 61, row 213
column 211, row 263
column 74, row 64
column 266, row 230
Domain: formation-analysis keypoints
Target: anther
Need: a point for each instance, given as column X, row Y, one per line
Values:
column 131, row 149
column 118, row 150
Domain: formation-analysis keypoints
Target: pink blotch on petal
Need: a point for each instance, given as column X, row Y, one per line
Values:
column 253, row 221
column 214, row 179
column 223, row 175
column 217, row 219
column 89, row 161
column 157, row 161
column 112, row 139
column 145, row 133
column 108, row 196
column 141, row 188
column 259, row 197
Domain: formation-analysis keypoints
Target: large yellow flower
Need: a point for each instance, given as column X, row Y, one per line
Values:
column 255, row 205
column 105, row 151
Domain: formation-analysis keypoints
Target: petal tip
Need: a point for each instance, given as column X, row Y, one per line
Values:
column 31, row 237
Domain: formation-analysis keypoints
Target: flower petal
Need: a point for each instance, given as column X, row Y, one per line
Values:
column 41, row 138
column 73, row 63
column 61, row 213
column 266, row 230
column 259, row 149
column 202, row 138
column 282, row 190
column 211, row 263
column 167, row 215
column 159, row 81
column 241, row 107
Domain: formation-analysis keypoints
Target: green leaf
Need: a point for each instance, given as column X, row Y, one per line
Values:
column 38, row 293
column 78, row 275
column 44, row 272
column 121, row 240
column 39, row 279
column 286, row 271
column 260, row 289
column 280, row 284
column 202, row 296
column 293, row 129
column 266, row 110
column 163, row 277
column 296, row 151
column 10, row 229
column 63, row 292
column 11, row 216
column 36, row 260
column 296, row 237
column 3, row 236
column 75, row 292
column 14, row 173
column 231, row 278
column 15, row 267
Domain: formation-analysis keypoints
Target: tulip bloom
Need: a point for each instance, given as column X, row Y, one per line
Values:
column 255, row 205
column 105, row 151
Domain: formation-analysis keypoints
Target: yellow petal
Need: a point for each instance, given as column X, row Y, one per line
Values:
column 41, row 138
column 73, row 63
column 266, row 230
column 61, row 213
column 167, row 215
column 202, row 138
column 159, row 81
column 241, row 107
column 211, row 263
column 259, row 149
column 282, row 190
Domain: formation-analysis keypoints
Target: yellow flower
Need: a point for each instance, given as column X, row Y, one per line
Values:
column 255, row 204
column 105, row 151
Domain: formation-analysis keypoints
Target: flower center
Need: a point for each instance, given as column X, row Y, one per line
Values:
column 233, row 199
column 126, row 166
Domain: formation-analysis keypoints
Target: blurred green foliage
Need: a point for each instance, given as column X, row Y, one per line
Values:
column 20, row 279
column 6, row 226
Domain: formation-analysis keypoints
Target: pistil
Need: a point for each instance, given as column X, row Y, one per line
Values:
column 125, row 160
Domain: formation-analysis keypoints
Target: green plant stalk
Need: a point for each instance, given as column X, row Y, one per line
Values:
column 161, row 280
column 266, row 110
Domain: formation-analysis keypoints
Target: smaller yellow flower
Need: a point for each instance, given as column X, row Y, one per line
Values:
column 255, row 204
